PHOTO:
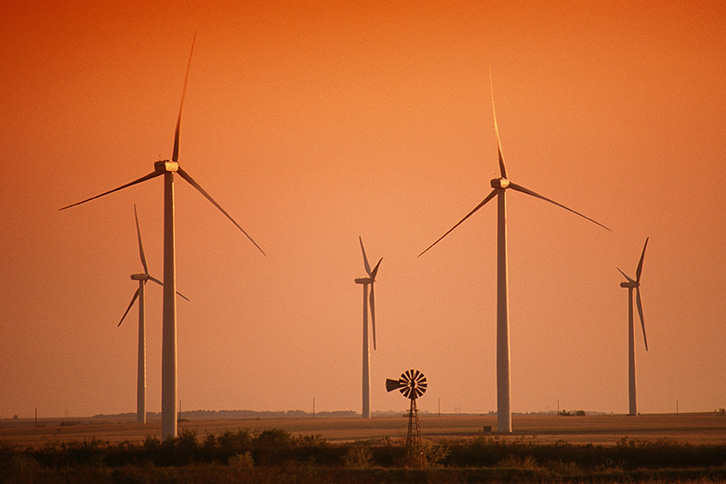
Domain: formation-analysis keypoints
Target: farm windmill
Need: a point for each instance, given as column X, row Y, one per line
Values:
column 143, row 278
column 168, row 168
column 500, row 186
column 634, row 284
column 412, row 384
column 368, row 301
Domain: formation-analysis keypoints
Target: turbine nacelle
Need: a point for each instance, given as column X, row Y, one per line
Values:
column 364, row 280
column 163, row 166
column 630, row 284
column 501, row 183
column 140, row 277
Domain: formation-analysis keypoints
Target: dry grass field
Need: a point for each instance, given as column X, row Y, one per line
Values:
column 692, row 428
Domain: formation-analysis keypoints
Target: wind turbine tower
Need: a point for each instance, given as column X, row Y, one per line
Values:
column 170, row 168
column 368, row 281
column 631, row 284
column 500, row 186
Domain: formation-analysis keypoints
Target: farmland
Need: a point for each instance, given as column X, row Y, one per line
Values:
column 683, row 448
column 693, row 428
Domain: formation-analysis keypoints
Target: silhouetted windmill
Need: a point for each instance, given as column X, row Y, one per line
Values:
column 412, row 384
column 168, row 169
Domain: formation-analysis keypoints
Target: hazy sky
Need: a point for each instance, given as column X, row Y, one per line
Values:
column 315, row 122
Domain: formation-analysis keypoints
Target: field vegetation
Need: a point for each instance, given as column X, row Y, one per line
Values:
column 276, row 456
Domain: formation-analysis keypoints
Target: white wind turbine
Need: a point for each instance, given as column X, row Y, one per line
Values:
column 634, row 284
column 143, row 278
column 500, row 186
column 168, row 168
column 366, row 281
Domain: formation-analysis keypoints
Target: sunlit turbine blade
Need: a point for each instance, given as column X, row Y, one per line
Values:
column 201, row 190
column 640, row 263
column 142, row 179
column 625, row 275
column 365, row 258
column 640, row 312
column 502, row 168
column 154, row 279
column 133, row 300
column 372, row 300
column 175, row 152
column 141, row 247
column 520, row 188
column 375, row 269
column 483, row 202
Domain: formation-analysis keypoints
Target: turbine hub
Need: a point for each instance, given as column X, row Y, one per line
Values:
column 500, row 183
column 166, row 166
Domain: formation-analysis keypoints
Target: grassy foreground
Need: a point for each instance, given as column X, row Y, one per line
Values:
column 276, row 456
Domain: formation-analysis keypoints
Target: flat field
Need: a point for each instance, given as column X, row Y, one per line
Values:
column 693, row 428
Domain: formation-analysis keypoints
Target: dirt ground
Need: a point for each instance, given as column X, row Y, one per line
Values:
column 693, row 428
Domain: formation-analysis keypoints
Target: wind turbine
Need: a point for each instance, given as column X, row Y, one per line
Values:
column 500, row 186
column 634, row 284
column 143, row 278
column 168, row 168
column 366, row 281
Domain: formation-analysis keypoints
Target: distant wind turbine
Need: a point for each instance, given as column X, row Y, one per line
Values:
column 500, row 186
column 634, row 284
column 168, row 168
column 366, row 281
column 143, row 278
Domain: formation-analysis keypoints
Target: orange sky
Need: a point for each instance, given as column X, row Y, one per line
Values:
column 315, row 122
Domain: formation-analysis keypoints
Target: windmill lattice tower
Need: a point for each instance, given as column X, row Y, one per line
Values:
column 412, row 384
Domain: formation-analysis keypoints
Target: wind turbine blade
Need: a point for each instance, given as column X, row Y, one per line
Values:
column 520, row 188
column 640, row 313
column 502, row 168
column 142, row 179
column 201, row 190
column 483, row 202
column 154, row 279
column 365, row 259
column 372, row 300
column 141, row 246
column 175, row 152
column 640, row 263
column 133, row 300
column 625, row 275
column 375, row 269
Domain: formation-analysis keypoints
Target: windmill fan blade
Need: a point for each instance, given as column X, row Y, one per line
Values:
column 372, row 300
column 142, row 179
column 133, row 300
column 392, row 385
column 483, row 202
column 365, row 258
column 640, row 262
column 640, row 313
column 625, row 275
column 201, row 190
column 141, row 246
column 502, row 168
column 175, row 152
column 520, row 188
